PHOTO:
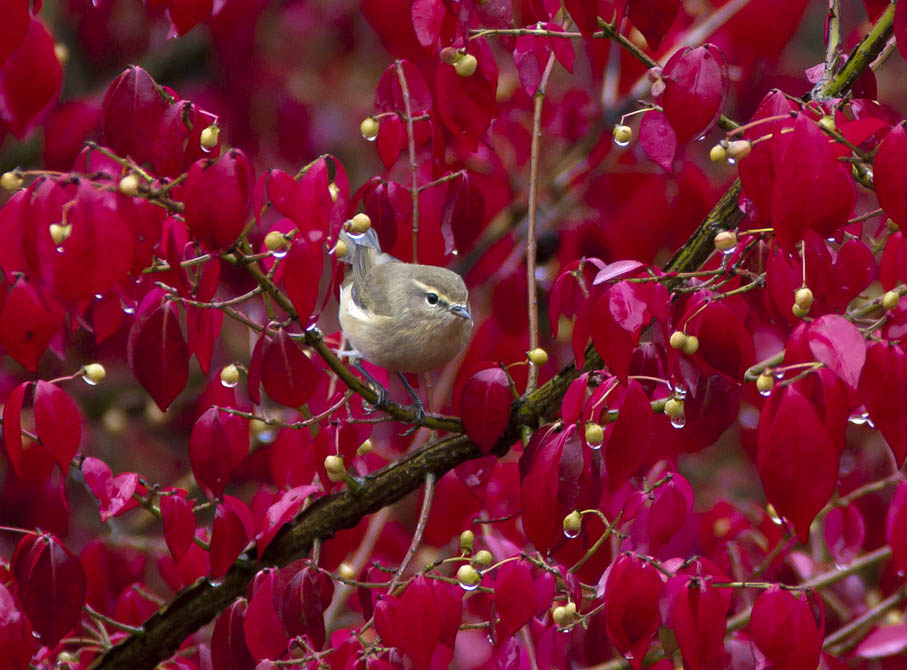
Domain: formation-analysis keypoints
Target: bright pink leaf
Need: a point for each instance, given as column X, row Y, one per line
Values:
column 783, row 627
column 511, row 586
column 231, row 531
column 217, row 197
column 838, row 343
column 632, row 592
column 658, row 139
column 179, row 524
column 30, row 79
column 228, row 641
column 883, row 385
column 279, row 513
column 133, row 107
column 889, row 176
column 696, row 87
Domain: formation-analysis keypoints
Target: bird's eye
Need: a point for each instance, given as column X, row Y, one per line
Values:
column 431, row 298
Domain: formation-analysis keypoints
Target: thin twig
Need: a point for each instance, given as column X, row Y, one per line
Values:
column 413, row 166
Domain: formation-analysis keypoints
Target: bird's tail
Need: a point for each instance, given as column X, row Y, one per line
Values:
column 356, row 245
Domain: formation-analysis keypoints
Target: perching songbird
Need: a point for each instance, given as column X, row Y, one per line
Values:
column 404, row 317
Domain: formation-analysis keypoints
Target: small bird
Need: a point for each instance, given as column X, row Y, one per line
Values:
column 404, row 317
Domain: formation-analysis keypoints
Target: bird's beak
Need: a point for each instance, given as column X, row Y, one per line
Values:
column 460, row 310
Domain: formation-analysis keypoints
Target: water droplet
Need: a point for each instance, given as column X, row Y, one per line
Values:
column 455, row 252
column 901, row 574
column 98, row 296
column 765, row 392
column 215, row 582
column 728, row 252
column 468, row 587
column 779, row 374
column 858, row 419
column 88, row 381
column 571, row 534
column 266, row 436
column 731, row 161
column 680, row 392
column 621, row 144
column 207, row 150
column 230, row 385
column 595, row 447
column 127, row 309
column 679, row 422
column 35, row 635
column 59, row 250
column 371, row 139
column 279, row 254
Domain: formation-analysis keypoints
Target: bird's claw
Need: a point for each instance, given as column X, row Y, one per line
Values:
column 381, row 401
column 419, row 420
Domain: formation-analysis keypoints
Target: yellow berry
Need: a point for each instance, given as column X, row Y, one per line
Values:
column 129, row 185
column 573, row 523
column 595, row 434
column 335, row 468
column 364, row 448
column 726, row 239
column 334, row 191
column 466, row 66
column 369, row 127
column 622, row 134
column 468, row 576
column 764, row 383
column 561, row 616
column 799, row 312
column 891, row 299
column 360, row 223
column 450, row 55
column 467, row 541
column 483, row 557
column 691, row 345
column 11, row 181
column 340, row 249
column 718, row 154
column 739, row 149
column 94, row 373
column 209, row 136
column 674, row 408
column 59, row 233
column 275, row 241
column 229, row 375
column 678, row 339
column 537, row 357
column 345, row 571
column 803, row 298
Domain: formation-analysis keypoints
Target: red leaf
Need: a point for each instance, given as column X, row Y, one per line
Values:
column 844, row 532
column 699, row 615
column 562, row 47
column 301, row 595
column 202, row 328
column 287, row 374
column 900, row 29
column 279, row 513
column 838, row 343
column 16, row 637
column 627, row 444
column 391, row 139
column 157, row 353
column 12, row 426
column 418, row 604
column 889, row 175
column 228, row 641
column 725, row 343
column 485, row 407
column 584, row 14
column 896, row 527
column 632, row 592
column 50, row 585
column 673, row 502
column 658, row 139
column 290, row 458
column 618, row 319
column 812, row 189
column 214, row 450
column 217, row 197
column 231, row 530
column 538, row 488
column 530, row 56
column 186, row 14
column 98, row 254
column 179, row 524
column 30, row 79
column 696, row 87
column 15, row 22
column 466, row 104
column 783, row 628
column 302, row 270
column 652, row 18
column 511, row 586
column 29, row 321
column 57, row 423
column 427, row 18
column 797, row 458
column 132, row 111
column 883, row 385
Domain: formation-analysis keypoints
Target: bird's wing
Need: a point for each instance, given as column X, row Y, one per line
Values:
column 363, row 254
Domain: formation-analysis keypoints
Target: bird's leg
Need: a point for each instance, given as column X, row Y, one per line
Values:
column 417, row 403
column 381, row 400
